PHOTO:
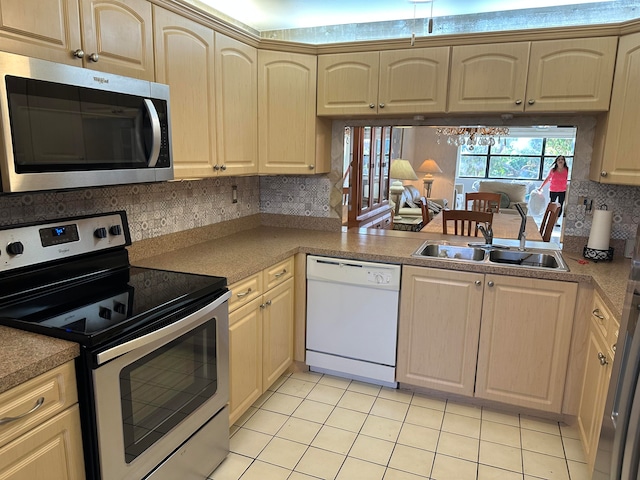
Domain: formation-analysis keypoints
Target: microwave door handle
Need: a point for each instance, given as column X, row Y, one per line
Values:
column 155, row 130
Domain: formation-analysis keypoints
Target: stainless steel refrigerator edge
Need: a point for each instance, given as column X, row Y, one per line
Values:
column 618, row 455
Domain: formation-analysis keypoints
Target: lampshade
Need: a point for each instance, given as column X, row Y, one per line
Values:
column 402, row 170
column 429, row 166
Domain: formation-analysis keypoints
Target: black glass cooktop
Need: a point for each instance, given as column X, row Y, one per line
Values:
column 105, row 305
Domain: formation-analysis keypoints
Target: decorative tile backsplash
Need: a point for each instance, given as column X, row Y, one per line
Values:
column 623, row 200
column 155, row 209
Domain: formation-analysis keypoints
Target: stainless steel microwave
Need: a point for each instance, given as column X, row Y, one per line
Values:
column 68, row 127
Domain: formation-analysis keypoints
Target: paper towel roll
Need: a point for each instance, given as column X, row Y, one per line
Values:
column 600, row 230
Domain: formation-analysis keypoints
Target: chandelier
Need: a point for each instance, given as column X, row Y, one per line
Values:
column 471, row 136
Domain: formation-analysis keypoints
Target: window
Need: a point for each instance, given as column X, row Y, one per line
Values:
column 520, row 156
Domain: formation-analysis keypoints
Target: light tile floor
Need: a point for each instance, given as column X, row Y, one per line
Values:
column 311, row 426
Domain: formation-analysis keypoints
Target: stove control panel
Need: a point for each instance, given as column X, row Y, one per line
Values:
column 26, row 245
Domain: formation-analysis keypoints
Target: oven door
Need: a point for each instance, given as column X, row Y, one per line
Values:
column 152, row 393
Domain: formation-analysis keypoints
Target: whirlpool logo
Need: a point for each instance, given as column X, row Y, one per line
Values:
column 101, row 79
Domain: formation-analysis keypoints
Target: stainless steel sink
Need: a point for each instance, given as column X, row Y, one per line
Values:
column 493, row 255
column 452, row 252
column 527, row 258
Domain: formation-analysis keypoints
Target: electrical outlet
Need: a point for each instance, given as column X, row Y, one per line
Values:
column 234, row 194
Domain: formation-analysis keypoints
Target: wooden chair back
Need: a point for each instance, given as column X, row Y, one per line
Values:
column 482, row 201
column 549, row 221
column 464, row 222
column 425, row 211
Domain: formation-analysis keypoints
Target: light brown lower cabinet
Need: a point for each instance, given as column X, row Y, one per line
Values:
column 494, row 337
column 597, row 373
column 47, row 443
column 261, row 333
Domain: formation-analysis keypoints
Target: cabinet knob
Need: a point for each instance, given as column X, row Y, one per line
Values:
column 519, row 101
column 603, row 173
column 94, row 58
column 478, row 282
column 490, row 283
column 216, row 167
column 372, row 105
column 531, row 102
column 79, row 53
column 381, row 105
column 268, row 302
column 311, row 167
column 223, row 167
column 602, row 358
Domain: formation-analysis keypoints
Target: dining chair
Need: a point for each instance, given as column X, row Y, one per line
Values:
column 465, row 221
column 482, row 201
column 549, row 220
column 425, row 211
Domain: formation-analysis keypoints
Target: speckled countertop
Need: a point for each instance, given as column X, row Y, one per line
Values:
column 25, row 355
column 245, row 253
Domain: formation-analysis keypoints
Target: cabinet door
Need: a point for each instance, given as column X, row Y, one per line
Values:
column 120, row 32
column 524, row 341
column 348, row 83
column 593, row 393
column 286, row 112
column 50, row 450
column 48, row 29
column 277, row 348
column 439, row 328
column 184, row 61
column 571, row 75
column 488, row 78
column 245, row 358
column 617, row 143
column 399, row 88
column 237, row 106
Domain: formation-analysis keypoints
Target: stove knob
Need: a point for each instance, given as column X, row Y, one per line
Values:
column 105, row 313
column 15, row 248
column 115, row 230
column 100, row 232
column 120, row 308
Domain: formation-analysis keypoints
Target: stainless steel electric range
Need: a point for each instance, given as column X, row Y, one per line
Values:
column 152, row 374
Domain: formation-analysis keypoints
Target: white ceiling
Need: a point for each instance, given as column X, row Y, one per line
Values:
column 284, row 14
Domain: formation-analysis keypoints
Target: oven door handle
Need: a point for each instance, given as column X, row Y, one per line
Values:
column 190, row 321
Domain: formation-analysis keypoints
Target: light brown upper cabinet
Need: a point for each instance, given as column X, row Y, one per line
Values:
column 389, row 82
column 114, row 36
column 236, row 81
column 291, row 139
column 616, row 143
column 185, row 61
column 542, row 76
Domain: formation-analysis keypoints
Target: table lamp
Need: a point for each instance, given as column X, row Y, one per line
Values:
column 400, row 170
column 428, row 167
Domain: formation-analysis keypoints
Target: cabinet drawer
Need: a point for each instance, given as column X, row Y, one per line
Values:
column 278, row 273
column 244, row 291
column 43, row 396
column 600, row 315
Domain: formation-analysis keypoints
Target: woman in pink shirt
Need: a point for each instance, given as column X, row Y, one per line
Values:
column 557, row 177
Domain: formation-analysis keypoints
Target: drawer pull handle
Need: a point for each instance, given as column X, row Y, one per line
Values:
column 596, row 313
column 244, row 294
column 602, row 358
column 38, row 404
column 278, row 275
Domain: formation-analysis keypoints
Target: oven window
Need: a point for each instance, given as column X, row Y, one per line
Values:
column 161, row 389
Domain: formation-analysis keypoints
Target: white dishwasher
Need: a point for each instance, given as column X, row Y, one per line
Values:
column 352, row 318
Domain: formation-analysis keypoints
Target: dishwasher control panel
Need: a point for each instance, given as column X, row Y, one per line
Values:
column 353, row 272
column 378, row 278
